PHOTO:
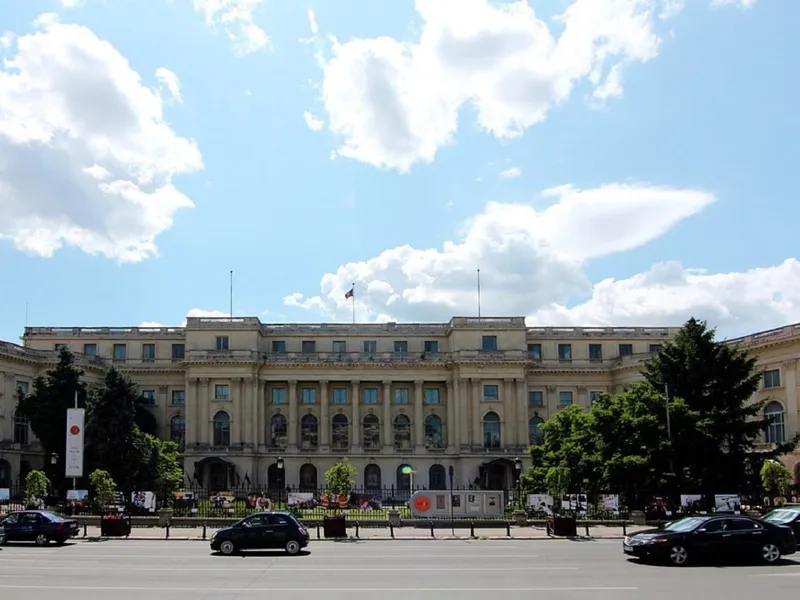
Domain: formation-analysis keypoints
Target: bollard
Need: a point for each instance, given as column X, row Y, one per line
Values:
column 357, row 529
column 471, row 529
column 167, row 531
column 624, row 529
column 204, row 530
column 391, row 529
column 508, row 528
column 587, row 530
column 432, row 533
column 85, row 532
column 318, row 530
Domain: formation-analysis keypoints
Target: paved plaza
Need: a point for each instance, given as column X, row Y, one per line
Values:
column 430, row 570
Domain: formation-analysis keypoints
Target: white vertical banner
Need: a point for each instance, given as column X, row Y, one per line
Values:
column 74, row 455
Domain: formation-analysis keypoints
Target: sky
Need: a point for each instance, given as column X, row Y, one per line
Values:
column 601, row 162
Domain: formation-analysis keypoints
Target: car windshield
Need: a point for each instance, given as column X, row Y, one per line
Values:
column 52, row 516
column 781, row 515
column 684, row 524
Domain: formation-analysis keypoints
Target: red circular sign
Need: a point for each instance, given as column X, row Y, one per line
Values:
column 74, row 430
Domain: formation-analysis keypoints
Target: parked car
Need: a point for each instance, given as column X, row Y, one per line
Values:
column 2, row 533
column 40, row 526
column 788, row 514
column 719, row 537
column 262, row 531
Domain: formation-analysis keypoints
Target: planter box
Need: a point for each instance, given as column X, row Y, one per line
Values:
column 114, row 527
column 334, row 527
column 562, row 526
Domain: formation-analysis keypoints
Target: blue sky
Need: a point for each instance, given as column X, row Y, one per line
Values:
column 603, row 162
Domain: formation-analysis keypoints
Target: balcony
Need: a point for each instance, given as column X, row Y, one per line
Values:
column 223, row 356
column 576, row 333
column 355, row 357
column 217, row 450
column 480, row 449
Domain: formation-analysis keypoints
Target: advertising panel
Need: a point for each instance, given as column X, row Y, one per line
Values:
column 74, row 451
column 465, row 503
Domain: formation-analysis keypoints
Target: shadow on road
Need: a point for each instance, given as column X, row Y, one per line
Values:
column 710, row 563
column 265, row 553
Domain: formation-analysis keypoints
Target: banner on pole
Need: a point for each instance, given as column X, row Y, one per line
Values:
column 74, row 451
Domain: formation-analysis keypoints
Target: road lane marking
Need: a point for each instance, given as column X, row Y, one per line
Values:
column 252, row 590
column 292, row 569
column 277, row 554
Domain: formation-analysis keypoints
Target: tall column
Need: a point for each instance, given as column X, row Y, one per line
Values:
column 550, row 401
column 204, row 426
column 387, row 415
column 464, row 412
column 522, row 412
column 294, row 422
column 255, row 419
column 419, row 430
column 261, row 412
column 790, row 385
column 451, row 426
column 190, row 411
column 325, row 419
column 508, row 433
column 356, row 425
column 477, row 430
column 237, row 408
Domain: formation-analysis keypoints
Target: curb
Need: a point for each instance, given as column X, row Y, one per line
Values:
column 354, row 539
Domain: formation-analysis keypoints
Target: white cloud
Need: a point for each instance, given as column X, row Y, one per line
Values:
column 529, row 259
column 742, row 4
column 312, row 21
column 6, row 40
column 237, row 19
column 86, row 158
column 314, row 123
column 70, row 3
column 193, row 312
column 511, row 173
column 169, row 80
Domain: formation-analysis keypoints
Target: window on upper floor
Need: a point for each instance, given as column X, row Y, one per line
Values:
column 370, row 395
column 489, row 343
column 370, row 346
column 434, row 432
column 148, row 351
column 535, row 398
column 772, row 378
column 595, row 352
column 278, row 346
column 278, row 395
column 223, row 342
column 491, row 430
column 339, row 347
column 58, row 347
column 90, row 349
column 625, row 349
column 309, row 395
column 149, row 397
column 222, row 391
column 535, row 351
column 564, row 398
column 432, row 396
column 178, row 351
column 119, row 352
column 776, row 428
column 431, row 346
column 491, row 393
column 21, row 428
column 655, row 348
column 565, row 352
column 178, row 397
column 309, row 347
column 593, row 394
column 401, row 395
column 23, row 386
column 401, row 347
column 340, row 395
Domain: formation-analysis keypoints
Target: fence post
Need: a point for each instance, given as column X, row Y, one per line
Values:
column 167, row 531
column 391, row 529
column 357, row 529
column 624, row 529
column 433, row 535
column 587, row 529
column 508, row 528
column 472, row 529
column 204, row 530
column 85, row 532
column 318, row 530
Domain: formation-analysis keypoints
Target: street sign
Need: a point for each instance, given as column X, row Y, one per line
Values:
column 74, row 449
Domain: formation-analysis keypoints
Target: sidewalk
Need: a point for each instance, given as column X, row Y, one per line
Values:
column 382, row 534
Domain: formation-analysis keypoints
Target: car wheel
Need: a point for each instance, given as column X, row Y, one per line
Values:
column 42, row 540
column 292, row 547
column 678, row 556
column 227, row 548
column 770, row 553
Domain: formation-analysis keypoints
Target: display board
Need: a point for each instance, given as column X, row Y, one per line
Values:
column 466, row 504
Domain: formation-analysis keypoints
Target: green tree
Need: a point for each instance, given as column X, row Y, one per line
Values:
column 775, row 477
column 36, row 486
column 717, row 381
column 103, row 488
column 46, row 406
column 339, row 479
column 164, row 474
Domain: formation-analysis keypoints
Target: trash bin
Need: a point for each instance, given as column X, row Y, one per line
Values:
column 560, row 525
column 334, row 526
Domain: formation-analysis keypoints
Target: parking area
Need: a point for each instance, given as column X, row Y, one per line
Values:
column 429, row 570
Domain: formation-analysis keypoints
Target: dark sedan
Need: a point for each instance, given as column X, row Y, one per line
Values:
column 718, row 537
column 40, row 526
column 262, row 531
column 785, row 515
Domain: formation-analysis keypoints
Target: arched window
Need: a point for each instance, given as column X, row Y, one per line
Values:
column 403, row 480
column 371, row 434
column 222, row 429
column 340, row 432
column 776, row 430
column 372, row 477
column 276, row 477
column 437, row 477
column 402, row 432
column 308, row 477
column 278, row 431
column 21, row 429
column 491, row 430
column 434, row 433
column 535, row 433
column 177, row 431
column 309, row 432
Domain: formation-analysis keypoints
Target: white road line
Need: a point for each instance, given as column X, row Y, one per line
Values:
column 278, row 554
column 295, row 569
column 361, row 590
column 794, row 574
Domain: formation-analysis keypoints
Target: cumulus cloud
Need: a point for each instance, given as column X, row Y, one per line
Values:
column 70, row 3
column 742, row 4
column 237, row 19
column 193, row 312
column 314, row 123
column 86, row 158
column 170, row 81
column 511, row 173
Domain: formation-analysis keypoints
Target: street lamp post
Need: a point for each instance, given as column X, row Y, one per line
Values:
column 451, row 472
column 518, row 470
column 279, row 464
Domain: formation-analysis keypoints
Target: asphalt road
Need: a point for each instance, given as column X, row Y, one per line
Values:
column 430, row 570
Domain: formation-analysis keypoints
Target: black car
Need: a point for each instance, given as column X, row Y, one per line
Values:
column 719, row 537
column 788, row 514
column 262, row 531
column 40, row 526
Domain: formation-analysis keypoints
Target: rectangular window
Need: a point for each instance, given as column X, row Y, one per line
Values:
column 222, row 391
column 58, row 347
column 178, row 397
column 90, row 349
column 401, row 347
column 279, row 395
column 432, row 396
column 655, row 348
column 491, row 393
column 339, row 347
column 772, row 378
column 340, row 395
column 370, row 346
column 564, row 398
column 535, row 351
column 178, row 351
column 489, row 343
column 278, row 346
column 625, row 349
column 431, row 346
column 309, row 347
column 223, row 342
column 565, row 352
column 593, row 396
column 23, row 386
column 535, row 398
column 148, row 351
column 401, row 395
column 595, row 352
column 309, row 395
column 120, row 352
column 149, row 397
column 370, row 395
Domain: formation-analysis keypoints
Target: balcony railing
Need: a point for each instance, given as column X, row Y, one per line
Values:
column 480, row 449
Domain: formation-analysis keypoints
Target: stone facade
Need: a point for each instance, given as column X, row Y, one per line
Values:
column 237, row 393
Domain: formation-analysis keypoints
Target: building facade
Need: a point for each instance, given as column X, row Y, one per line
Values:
column 238, row 395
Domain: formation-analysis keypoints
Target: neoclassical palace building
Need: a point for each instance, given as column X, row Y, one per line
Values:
column 238, row 394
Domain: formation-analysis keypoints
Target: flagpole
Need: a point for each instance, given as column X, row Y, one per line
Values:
column 353, row 298
column 231, row 305
column 479, row 293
